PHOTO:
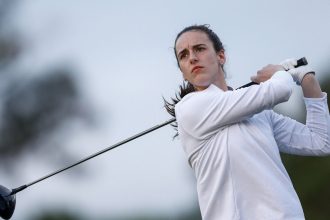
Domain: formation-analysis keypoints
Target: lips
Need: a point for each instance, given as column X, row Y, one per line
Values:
column 196, row 68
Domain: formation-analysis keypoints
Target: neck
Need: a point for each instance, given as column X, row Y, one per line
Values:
column 222, row 85
column 221, row 82
column 218, row 81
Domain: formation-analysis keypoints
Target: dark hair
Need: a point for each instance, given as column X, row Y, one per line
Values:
column 187, row 87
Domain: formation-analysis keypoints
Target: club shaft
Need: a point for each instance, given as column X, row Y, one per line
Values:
column 18, row 189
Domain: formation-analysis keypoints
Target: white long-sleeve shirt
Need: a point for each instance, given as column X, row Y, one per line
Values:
column 233, row 141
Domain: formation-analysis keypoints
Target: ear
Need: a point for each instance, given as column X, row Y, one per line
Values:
column 222, row 57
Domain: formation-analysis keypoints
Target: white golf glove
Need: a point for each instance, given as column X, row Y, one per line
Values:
column 289, row 64
column 296, row 73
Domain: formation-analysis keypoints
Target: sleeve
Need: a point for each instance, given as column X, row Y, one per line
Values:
column 312, row 139
column 202, row 113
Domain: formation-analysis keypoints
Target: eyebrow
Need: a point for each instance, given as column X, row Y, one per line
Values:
column 185, row 49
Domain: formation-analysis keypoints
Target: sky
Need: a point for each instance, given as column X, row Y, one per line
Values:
column 122, row 53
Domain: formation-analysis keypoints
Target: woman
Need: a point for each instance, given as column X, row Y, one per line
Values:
column 233, row 139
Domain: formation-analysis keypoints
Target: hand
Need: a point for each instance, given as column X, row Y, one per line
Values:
column 266, row 73
column 289, row 64
column 299, row 73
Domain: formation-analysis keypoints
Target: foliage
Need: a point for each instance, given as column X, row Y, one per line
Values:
column 33, row 106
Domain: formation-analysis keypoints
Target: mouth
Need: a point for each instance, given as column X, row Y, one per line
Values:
column 196, row 68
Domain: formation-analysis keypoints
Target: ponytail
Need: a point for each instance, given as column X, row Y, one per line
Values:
column 184, row 89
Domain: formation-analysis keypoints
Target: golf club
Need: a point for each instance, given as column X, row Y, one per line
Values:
column 8, row 197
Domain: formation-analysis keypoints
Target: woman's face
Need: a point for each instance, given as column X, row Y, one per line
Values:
column 199, row 63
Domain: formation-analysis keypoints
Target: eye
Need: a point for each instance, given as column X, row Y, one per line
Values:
column 183, row 55
column 200, row 49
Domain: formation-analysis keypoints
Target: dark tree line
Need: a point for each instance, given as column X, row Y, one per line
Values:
column 32, row 106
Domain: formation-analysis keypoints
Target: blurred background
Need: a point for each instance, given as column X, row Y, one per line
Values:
column 78, row 76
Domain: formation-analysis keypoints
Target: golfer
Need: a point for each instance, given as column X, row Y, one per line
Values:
column 233, row 138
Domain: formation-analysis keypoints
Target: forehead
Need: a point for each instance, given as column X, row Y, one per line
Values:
column 191, row 38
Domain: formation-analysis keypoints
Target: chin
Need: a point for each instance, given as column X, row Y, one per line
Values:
column 202, row 86
column 203, row 82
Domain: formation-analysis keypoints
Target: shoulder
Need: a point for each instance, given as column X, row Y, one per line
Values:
column 195, row 100
column 199, row 96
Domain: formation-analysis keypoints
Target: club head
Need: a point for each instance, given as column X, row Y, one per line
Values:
column 7, row 203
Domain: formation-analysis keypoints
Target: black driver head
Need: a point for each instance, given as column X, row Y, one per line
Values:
column 7, row 203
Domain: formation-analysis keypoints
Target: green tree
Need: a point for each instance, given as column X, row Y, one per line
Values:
column 32, row 106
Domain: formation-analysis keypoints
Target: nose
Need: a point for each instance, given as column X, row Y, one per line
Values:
column 193, row 58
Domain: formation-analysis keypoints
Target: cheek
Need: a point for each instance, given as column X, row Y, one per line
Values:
column 184, row 70
column 185, row 75
column 214, row 60
column 215, row 64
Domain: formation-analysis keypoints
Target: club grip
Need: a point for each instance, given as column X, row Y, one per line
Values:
column 301, row 62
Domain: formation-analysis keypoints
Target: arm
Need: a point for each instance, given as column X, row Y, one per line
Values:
column 314, row 137
column 311, row 139
column 202, row 113
column 311, row 87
